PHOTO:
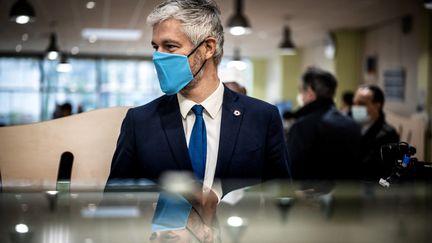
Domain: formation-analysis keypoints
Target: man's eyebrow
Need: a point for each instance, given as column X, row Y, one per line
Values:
column 166, row 41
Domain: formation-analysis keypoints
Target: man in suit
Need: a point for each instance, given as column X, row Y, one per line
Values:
column 368, row 112
column 238, row 137
column 323, row 144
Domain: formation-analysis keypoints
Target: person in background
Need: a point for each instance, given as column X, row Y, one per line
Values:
column 80, row 108
column 236, row 87
column 368, row 111
column 323, row 144
column 199, row 126
column 346, row 103
column 63, row 110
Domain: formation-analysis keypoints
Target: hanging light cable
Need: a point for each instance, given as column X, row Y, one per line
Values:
column 237, row 61
column 238, row 23
column 52, row 51
column 22, row 12
column 287, row 45
column 64, row 66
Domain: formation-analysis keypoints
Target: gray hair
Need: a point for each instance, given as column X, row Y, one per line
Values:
column 200, row 19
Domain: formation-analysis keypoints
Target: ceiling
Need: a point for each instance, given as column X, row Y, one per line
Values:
column 308, row 19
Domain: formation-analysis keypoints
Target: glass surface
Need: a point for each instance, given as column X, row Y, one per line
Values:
column 273, row 212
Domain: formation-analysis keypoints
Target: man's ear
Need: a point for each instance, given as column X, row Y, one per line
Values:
column 210, row 45
column 378, row 106
column 310, row 94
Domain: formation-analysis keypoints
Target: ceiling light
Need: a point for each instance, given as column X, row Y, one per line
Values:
column 235, row 221
column 90, row 4
column 25, row 37
column 22, row 12
column 92, row 39
column 52, row 51
column 111, row 34
column 428, row 4
column 64, row 66
column 21, row 228
column 238, row 23
column 129, row 51
column 52, row 193
column 18, row 48
column 237, row 62
column 75, row 50
column 330, row 46
column 287, row 46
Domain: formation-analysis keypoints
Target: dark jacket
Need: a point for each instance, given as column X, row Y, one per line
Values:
column 251, row 146
column 323, row 144
column 372, row 166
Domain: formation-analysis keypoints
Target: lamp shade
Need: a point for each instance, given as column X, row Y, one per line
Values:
column 22, row 12
column 238, row 23
column 287, row 45
column 237, row 61
column 52, row 50
column 64, row 66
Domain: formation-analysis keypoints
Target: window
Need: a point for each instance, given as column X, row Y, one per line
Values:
column 128, row 83
column 20, row 96
column 31, row 89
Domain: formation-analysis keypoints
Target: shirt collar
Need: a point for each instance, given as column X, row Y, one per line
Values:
column 212, row 104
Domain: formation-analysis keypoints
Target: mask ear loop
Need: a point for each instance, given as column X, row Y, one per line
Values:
column 199, row 70
column 196, row 47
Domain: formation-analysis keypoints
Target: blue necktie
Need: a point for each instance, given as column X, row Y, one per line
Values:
column 198, row 143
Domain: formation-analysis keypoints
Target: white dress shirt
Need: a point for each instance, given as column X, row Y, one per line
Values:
column 212, row 117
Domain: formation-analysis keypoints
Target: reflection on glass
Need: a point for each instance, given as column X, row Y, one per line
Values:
column 93, row 211
column 21, row 228
column 177, row 220
column 235, row 221
column 172, row 213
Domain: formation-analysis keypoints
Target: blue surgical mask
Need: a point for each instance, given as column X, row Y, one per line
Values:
column 173, row 70
column 360, row 114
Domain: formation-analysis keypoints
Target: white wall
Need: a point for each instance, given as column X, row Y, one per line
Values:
column 313, row 55
column 274, row 80
column 395, row 50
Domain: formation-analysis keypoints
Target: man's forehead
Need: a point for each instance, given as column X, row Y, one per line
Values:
column 363, row 94
column 170, row 29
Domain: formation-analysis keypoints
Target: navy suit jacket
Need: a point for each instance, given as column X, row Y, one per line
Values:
column 251, row 146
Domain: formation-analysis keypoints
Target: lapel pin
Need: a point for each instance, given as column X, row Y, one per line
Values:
column 237, row 113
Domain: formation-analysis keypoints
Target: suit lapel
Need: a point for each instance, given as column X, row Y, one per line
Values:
column 232, row 116
column 173, row 127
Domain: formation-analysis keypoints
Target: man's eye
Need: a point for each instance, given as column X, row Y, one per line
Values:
column 171, row 47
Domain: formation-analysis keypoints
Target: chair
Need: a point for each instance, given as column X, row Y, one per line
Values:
column 30, row 154
column 411, row 130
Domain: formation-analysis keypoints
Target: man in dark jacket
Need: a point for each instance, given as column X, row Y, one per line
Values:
column 368, row 111
column 225, row 139
column 322, row 144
